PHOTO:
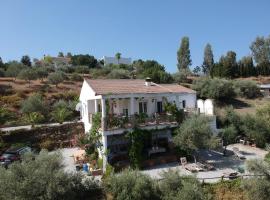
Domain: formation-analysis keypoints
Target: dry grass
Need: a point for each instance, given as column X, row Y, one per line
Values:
column 20, row 90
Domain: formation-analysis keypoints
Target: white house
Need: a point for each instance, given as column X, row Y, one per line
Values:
column 113, row 60
column 126, row 102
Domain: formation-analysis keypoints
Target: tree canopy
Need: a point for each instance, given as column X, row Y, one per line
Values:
column 193, row 134
column 183, row 55
column 208, row 59
column 44, row 178
column 26, row 61
column 86, row 59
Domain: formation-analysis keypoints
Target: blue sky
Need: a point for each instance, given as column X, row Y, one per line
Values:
column 147, row 29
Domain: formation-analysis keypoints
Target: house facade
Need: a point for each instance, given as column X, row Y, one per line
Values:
column 128, row 103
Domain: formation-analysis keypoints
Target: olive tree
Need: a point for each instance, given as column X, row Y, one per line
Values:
column 43, row 177
column 173, row 186
column 131, row 184
column 193, row 134
column 28, row 75
column 56, row 78
column 34, row 103
column 258, row 187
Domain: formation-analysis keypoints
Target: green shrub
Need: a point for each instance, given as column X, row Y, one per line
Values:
column 12, row 100
column 33, row 118
column 246, row 88
column 56, row 78
column 34, row 103
column 82, row 69
column 267, row 157
column 99, row 72
column 118, row 74
column 5, row 115
column 76, row 77
column 214, row 88
column 174, row 186
column 131, row 185
column 45, row 178
column 194, row 133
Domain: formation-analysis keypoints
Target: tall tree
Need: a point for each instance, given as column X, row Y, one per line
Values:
column 261, row 52
column 208, row 60
column 26, row 60
column 118, row 57
column 229, row 65
column 183, row 55
column 1, row 63
column 60, row 54
column 246, row 67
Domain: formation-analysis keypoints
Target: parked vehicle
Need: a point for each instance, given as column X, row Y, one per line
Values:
column 13, row 154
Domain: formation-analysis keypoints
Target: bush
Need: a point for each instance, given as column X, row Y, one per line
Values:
column 28, row 75
column 99, row 73
column 33, row 118
column 194, row 133
column 34, row 103
column 255, row 128
column 82, row 69
column 5, row 115
column 12, row 100
column 246, row 88
column 214, row 88
column 14, row 68
column 45, row 178
column 174, row 186
column 258, row 187
column 229, row 135
column 182, row 77
column 118, row 74
column 131, row 185
column 56, row 78
column 76, row 77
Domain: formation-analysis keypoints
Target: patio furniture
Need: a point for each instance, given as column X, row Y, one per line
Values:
column 154, row 150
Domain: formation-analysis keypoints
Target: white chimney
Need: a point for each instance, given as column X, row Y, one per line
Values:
column 148, row 81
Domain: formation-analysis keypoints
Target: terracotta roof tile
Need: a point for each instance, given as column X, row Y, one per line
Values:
column 127, row 86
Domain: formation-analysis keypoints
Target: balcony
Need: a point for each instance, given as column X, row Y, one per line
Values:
column 114, row 122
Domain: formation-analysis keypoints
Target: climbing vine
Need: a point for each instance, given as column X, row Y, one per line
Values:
column 137, row 138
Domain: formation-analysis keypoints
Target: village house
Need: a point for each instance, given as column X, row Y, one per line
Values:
column 126, row 102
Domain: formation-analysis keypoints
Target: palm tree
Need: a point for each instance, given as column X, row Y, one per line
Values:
column 118, row 56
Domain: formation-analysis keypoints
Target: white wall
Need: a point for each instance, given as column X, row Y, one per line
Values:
column 86, row 94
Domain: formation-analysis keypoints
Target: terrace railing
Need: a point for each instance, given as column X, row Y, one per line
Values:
column 113, row 122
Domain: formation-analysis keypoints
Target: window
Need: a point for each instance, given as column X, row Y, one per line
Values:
column 142, row 107
column 184, row 103
column 125, row 112
column 159, row 107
